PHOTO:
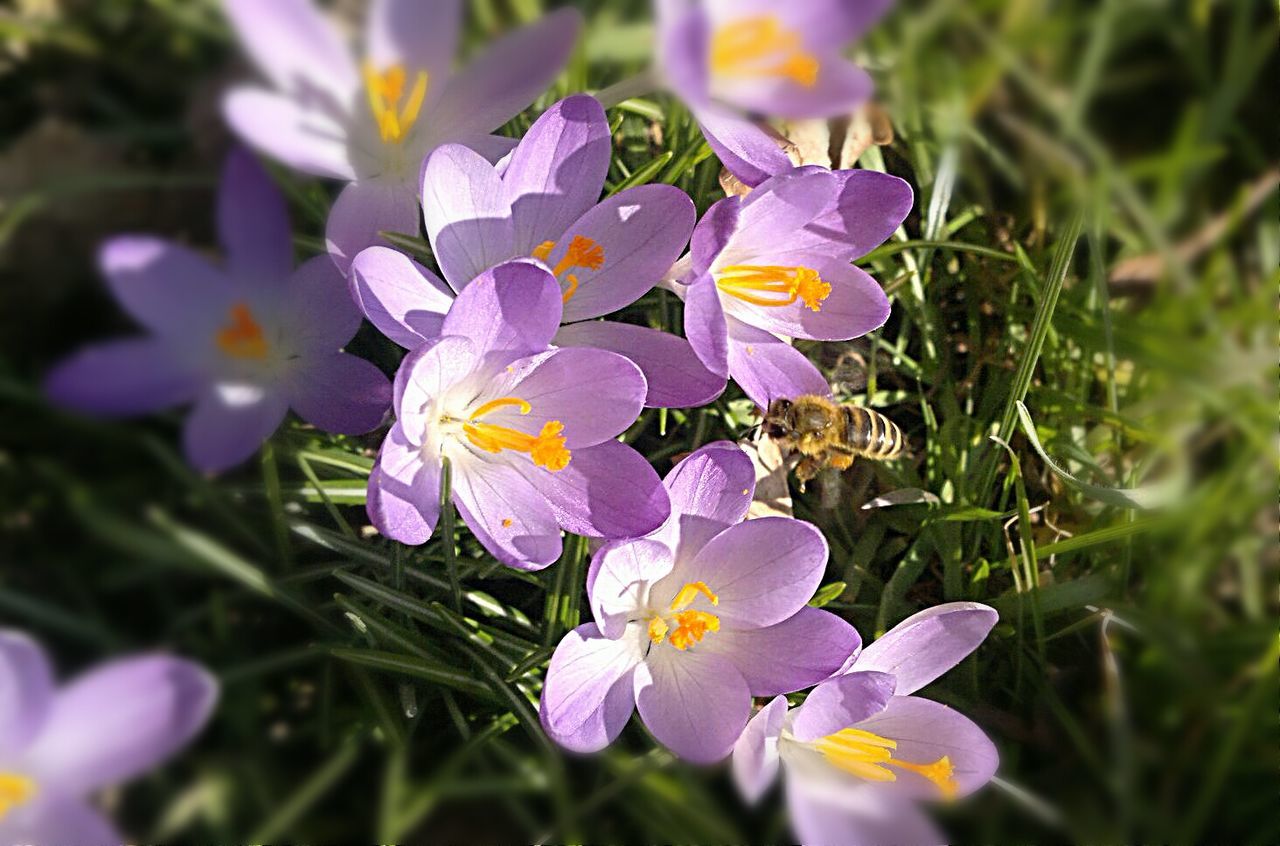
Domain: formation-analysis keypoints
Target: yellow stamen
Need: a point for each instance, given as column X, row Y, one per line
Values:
column 690, row 626
column 242, row 336
column 386, row 90
column 869, row 756
column 780, row 286
column 583, row 253
column 658, row 629
column 14, row 790
column 546, row 449
column 690, row 592
column 761, row 46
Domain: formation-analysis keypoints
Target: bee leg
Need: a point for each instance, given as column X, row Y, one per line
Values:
column 808, row 468
column 840, row 460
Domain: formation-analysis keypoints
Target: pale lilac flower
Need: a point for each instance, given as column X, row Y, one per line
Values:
column 544, row 204
column 861, row 752
column 59, row 745
column 694, row 620
column 371, row 117
column 725, row 58
column 776, row 265
column 244, row 341
column 529, row 431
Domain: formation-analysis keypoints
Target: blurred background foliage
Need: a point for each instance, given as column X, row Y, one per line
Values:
column 1095, row 234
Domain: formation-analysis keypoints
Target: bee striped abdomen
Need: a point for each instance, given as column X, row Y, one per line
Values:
column 872, row 434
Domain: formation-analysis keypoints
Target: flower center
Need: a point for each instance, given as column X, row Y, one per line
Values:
column 690, row 626
column 582, row 253
column 773, row 286
column 14, row 790
column 545, row 448
column 242, row 336
column 761, row 46
column 386, row 91
column 869, row 756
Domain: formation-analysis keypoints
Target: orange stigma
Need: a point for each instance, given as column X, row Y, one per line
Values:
column 582, row 253
column 242, row 336
column 869, row 756
column 761, row 46
column 14, row 790
column 546, row 448
column 773, row 286
column 386, row 90
column 691, row 626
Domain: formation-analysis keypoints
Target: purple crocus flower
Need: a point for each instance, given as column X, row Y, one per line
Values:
column 529, row 431
column 784, row 60
column 861, row 752
column 544, row 204
column 58, row 745
column 371, row 120
column 695, row 619
column 245, row 341
column 775, row 265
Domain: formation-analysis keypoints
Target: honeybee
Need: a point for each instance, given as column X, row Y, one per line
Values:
column 831, row 434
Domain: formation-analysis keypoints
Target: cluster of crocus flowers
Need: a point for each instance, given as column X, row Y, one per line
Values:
column 543, row 203
column 528, row 430
column 59, row 745
column 244, row 341
column 371, row 119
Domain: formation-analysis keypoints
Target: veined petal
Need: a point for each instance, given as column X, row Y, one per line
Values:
column 704, row 325
column 229, row 423
column 755, row 754
column 253, row 223
column 309, row 138
column 513, row 308
column 506, row 513
column 585, row 670
column 854, row 306
column 868, row 208
column 798, row 652
column 777, row 208
column 403, row 498
column 713, row 234
column 837, row 814
column 695, row 703
column 402, row 298
column 26, row 691
column 468, row 215
column 427, row 373
column 841, row 703
column 746, row 150
column 927, row 644
column 363, row 210
column 619, row 578
column 766, row 367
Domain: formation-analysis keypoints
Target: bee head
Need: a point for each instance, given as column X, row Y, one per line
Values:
column 776, row 424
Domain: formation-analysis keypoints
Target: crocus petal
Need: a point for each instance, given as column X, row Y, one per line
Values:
column 468, row 215
column 311, row 140
column 682, row 49
column 926, row 731
column 427, row 373
column 763, row 570
column 404, row 491
column 585, row 671
column 294, row 46
column 512, row 309
column 788, row 656
column 509, row 75
column 506, row 513
column 695, row 703
column 766, row 367
column 642, row 231
column 676, row 377
column 120, row 720
column 26, row 691
column 557, row 171
column 755, row 755
column 774, row 211
column 823, row 24
column 619, row 579
column 834, row 815
column 715, row 482
column 712, row 234
column 402, row 298
column 841, row 702
column 925, row 645
column 166, row 288
column 746, row 150
column 418, row 36
column 339, row 393
column 868, row 208
column 595, row 394
column 123, row 377
column 319, row 314
column 229, row 423
column 362, row 211
column 253, row 223
column 54, row 817
column 839, row 87
column 606, row 491
column 704, row 325
column 495, row 149
column 855, row 306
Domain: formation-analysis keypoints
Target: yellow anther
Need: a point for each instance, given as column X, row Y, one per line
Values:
column 692, row 627
column 773, row 286
column 494, row 405
column 582, row 253
column 242, row 336
column 542, row 252
column 868, row 756
column 14, row 790
column 690, row 592
column 546, row 449
column 761, row 46
column 386, row 90
column 658, row 629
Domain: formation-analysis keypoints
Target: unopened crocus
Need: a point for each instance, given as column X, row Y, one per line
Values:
column 776, row 265
column 245, row 340
column 544, row 205
column 726, row 58
column 370, row 119
column 694, row 620
column 529, row 431
column 862, row 752
column 61, row 744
